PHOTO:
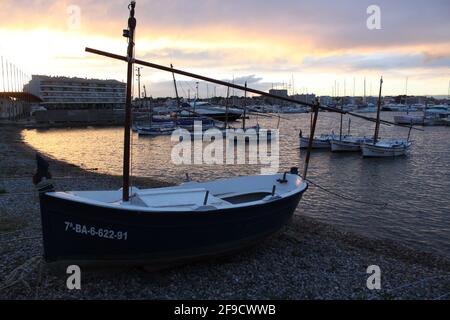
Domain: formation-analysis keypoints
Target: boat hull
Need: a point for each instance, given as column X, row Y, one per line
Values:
column 317, row 143
column 74, row 231
column 370, row 150
column 344, row 146
column 409, row 120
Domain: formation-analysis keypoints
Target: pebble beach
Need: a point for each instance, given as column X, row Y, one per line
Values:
column 306, row 260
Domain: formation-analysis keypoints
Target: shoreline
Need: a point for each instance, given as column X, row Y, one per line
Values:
column 307, row 260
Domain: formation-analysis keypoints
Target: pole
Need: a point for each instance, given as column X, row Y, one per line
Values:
column 176, row 89
column 377, row 125
column 245, row 106
column 130, row 58
column 364, row 90
column 226, row 107
column 340, row 127
column 311, row 138
column 7, row 75
column 196, row 89
column 3, row 77
column 138, row 69
column 448, row 93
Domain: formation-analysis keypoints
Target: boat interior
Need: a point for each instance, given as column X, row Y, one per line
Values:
column 196, row 196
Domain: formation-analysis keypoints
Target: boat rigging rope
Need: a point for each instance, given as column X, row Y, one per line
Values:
column 378, row 204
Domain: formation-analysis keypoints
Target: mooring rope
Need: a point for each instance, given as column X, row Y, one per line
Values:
column 339, row 195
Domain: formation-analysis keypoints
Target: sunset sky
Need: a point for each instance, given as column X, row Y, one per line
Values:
column 267, row 43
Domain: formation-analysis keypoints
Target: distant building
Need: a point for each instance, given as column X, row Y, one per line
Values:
column 280, row 93
column 307, row 98
column 326, row 100
column 77, row 93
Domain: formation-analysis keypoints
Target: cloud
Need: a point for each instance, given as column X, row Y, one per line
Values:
column 266, row 40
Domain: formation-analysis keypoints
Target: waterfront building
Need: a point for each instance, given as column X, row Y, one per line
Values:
column 307, row 98
column 77, row 93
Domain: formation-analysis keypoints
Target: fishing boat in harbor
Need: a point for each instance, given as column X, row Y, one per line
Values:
column 348, row 143
column 409, row 119
column 209, row 110
column 162, row 226
column 320, row 142
column 436, row 115
column 384, row 147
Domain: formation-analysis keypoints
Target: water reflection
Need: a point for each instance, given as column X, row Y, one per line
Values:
column 415, row 188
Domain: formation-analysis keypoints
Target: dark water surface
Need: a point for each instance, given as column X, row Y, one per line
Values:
column 416, row 188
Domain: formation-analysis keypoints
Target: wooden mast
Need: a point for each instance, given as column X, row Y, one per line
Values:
column 128, row 33
column 226, row 108
column 340, row 126
column 377, row 125
column 315, row 110
column 176, row 88
column 245, row 107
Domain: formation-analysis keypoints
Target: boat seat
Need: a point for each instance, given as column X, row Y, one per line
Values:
column 179, row 198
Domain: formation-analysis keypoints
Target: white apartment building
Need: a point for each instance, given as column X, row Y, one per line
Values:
column 77, row 93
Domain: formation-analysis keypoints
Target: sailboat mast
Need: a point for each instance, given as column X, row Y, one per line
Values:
column 226, row 107
column 314, row 110
column 377, row 125
column 176, row 88
column 245, row 106
column 364, row 90
column 138, row 69
column 129, row 33
column 448, row 93
column 406, row 92
column 340, row 127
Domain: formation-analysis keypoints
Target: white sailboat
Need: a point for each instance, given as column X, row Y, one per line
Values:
column 320, row 142
column 347, row 143
column 385, row 147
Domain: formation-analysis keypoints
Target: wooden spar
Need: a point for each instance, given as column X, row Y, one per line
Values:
column 226, row 107
column 315, row 109
column 377, row 125
column 235, row 86
column 129, row 33
column 340, row 127
column 176, row 88
column 245, row 107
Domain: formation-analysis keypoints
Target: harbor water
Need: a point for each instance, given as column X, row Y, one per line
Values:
column 406, row 199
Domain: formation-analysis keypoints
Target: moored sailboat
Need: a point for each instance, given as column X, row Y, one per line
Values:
column 319, row 142
column 385, row 147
